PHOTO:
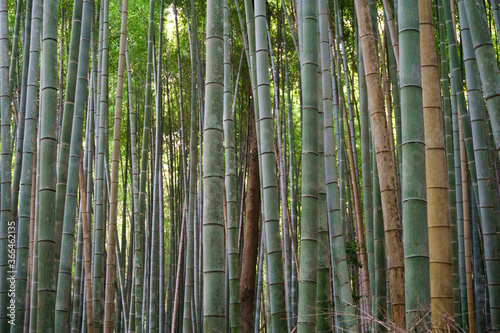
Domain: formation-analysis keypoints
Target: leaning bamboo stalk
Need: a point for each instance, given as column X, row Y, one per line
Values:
column 64, row 144
column 121, row 287
column 178, row 272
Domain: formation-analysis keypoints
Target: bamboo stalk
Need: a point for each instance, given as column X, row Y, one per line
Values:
column 467, row 238
column 86, row 252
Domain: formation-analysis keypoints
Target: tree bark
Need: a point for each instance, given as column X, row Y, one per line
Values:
column 251, row 237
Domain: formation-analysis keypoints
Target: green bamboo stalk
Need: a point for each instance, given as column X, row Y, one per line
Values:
column 159, row 209
column 416, row 245
column 490, row 78
column 181, row 105
column 496, row 13
column 471, row 323
column 29, row 150
column 368, row 194
column 47, row 166
column 396, row 106
column 22, row 109
column 478, row 268
column 86, row 253
column 456, row 73
column 192, row 170
column 137, row 235
column 344, row 302
column 63, row 296
column 393, row 36
column 112, row 232
column 65, row 139
column 459, row 206
column 324, row 286
column 279, row 90
column 269, row 179
column 5, row 167
column 293, row 208
column 260, row 273
column 172, row 221
column 34, row 278
column 101, row 190
column 230, row 184
column 479, row 128
column 14, row 54
column 339, row 119
column 146, row 135
column 77, row 281
column 213, row 225
column 345, row 69
column 380, row 301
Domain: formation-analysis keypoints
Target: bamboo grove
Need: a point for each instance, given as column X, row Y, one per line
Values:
column 249, row 166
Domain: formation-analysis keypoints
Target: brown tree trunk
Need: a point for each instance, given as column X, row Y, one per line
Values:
column 251, row 237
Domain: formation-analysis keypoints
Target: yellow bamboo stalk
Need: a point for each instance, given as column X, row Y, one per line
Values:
column 438, row 217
